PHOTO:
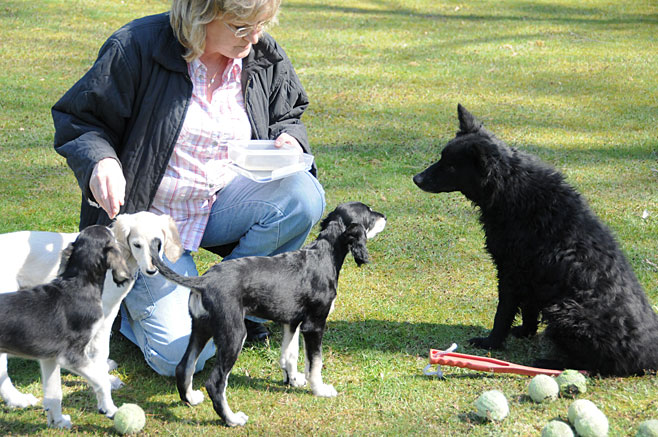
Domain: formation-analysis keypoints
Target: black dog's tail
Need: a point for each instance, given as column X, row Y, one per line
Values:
column 185, row 281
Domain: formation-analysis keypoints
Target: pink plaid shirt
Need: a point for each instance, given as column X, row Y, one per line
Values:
column 197, row 168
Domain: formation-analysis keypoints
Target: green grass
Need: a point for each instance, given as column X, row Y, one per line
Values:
column 571, row 81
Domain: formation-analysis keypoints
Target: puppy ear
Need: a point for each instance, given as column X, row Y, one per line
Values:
column 173, row 248
column 64, row 258
column 115, row 261
column 467, row 122
column 356, row 239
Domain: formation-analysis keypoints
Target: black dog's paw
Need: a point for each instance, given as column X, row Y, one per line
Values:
column 547, row 363
column 485, row 343
column 522, row 332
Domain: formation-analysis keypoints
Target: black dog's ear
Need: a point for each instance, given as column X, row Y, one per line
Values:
column 356, row 238
column 467, row 122
column 115, row 261
column 64, row 258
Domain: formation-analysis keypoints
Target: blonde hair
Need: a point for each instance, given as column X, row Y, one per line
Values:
column 188, row 18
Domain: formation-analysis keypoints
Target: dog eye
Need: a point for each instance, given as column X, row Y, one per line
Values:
column 137, row 245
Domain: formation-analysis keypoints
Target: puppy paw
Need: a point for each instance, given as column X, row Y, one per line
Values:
column 109, row 411
column 115, row 382
column 20, row 400
column 296, row 380
column 485, row 343
column 325, row 391
column 237, row 419
column 63, row 421
column 195, row 397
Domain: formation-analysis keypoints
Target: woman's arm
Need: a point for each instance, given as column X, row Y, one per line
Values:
column 89, row 123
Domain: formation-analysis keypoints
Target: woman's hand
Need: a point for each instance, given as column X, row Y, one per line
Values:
column 288, row 142
column 108, row 185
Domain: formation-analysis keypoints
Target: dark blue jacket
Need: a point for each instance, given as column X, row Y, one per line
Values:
column 132, row 102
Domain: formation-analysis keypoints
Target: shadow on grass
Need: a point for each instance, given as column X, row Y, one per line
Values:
column 525, row 12
column 417, row 339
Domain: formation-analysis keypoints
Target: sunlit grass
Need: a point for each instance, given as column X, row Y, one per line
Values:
column 573, row 82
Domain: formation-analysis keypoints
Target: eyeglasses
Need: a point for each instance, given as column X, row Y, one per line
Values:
column 241, row 32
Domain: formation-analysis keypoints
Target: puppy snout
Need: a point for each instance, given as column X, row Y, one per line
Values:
column 418, row 179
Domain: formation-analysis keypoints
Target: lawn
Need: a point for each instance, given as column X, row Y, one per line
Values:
column 573, row 82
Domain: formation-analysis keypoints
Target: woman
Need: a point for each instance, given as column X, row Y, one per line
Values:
column 146, row 129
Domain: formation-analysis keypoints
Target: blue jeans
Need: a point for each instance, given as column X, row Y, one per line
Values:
column 265, row 219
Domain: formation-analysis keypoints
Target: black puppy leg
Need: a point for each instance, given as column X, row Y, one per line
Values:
column 507, row 307
column 229, row 344
column 313, row 350
column 185, row 369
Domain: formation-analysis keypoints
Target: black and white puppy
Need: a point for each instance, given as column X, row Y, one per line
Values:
column 296, row 288
column 55, row 323
column 37, row 257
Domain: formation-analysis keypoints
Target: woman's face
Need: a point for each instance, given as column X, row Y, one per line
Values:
column 221, row 38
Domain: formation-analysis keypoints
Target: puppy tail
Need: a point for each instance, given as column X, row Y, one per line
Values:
column 355, row 237
column 185, row 281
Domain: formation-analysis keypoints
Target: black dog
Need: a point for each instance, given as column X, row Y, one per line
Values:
column 554, row 257
column 296, row 288
column 56, row 323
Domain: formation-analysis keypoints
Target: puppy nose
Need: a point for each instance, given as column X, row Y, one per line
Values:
column 418, row 179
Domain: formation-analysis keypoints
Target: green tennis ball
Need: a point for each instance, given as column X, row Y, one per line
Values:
column 648, row 428
column 492, row 405
column 578, row 407
column 557, row 428
column 591, row 423
column 571, row 382
column 543, row 388
column 129, row 419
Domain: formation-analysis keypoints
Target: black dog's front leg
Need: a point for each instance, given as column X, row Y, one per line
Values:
column 528, row 328
column 507, row 308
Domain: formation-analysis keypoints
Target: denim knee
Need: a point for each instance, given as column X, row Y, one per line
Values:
column 155, row 318
column 166, row 357
column 308, row 196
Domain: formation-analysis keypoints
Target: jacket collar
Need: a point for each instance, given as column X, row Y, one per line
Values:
column 168, row 51
column 263, row 54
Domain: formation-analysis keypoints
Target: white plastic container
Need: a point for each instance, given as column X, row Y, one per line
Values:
column 261, row 155
column 261, row 162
